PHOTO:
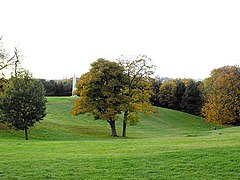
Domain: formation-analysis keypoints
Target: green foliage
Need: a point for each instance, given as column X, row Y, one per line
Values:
column 178, row 94
column 181, row 94
column 57, row 87
column 132, row 119
column 3, row 82
column 166, row 94
column 156, row 83
column 192, row 99
column 23, row 102
column 170, row 94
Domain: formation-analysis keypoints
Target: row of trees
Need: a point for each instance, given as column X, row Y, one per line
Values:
column 57, row 87
column 179, row 94
column 216, row 98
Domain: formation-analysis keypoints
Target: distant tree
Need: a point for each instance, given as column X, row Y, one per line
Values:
column 192, row 101
column 166, row 94
column 137, row 90
column 178, row 94
column 49, row 86
column 156, row 84
column 67, row 87
column 99, row 92
column 182, row 95
column 57, row 87
column 23, row 102
column 222, row 96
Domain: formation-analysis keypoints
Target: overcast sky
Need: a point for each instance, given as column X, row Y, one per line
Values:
column 184, row 38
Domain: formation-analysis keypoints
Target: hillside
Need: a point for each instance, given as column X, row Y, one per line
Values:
column 59, row 124
column 173, row 145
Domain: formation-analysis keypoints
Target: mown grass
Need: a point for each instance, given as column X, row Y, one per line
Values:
column 173, row 145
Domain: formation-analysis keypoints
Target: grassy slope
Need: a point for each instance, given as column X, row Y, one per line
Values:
column 173, row 145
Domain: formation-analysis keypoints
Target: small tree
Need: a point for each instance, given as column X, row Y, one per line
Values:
column 23, row 102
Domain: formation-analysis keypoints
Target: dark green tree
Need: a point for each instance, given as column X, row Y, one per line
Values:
column 23, row 102
column 49, row 86
column 156, row 84
column 167, row 93
column 192, row 101
column 178, row 94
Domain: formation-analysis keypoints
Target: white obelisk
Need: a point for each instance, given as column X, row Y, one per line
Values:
column 74, row 84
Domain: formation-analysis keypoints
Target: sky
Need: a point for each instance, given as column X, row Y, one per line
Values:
column 184, row 39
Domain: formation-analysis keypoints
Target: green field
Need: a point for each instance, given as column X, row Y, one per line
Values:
column 172, row 145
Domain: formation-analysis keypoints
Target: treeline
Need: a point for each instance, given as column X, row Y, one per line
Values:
column 57, row 87
column 216, row 98
column 178, row 94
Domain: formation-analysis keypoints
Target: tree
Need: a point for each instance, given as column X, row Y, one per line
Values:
column 100, row 92
column 156, row 84
column 166, row 94
column 49, row 87
column 57, row 87
column 23, row 102
column 222, row 96
column 3, row 82
column 192, row 99
column 138, row 88
column 178, row 94
column 181, row 94
column 7, row 60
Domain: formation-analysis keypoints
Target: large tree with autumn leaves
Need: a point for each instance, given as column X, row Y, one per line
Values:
column 99, row 92
column 222, row 95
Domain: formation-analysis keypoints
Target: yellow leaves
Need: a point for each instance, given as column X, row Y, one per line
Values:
column 223, row 89
column 100, row 90
column 132, row 119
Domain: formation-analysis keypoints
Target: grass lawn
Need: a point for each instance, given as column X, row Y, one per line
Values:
column 173, row 145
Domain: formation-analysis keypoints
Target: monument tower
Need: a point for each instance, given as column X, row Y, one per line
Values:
column 74, row 84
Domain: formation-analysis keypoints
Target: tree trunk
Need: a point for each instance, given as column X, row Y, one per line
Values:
column 124, row 132
column 113, row 127
column 237, row 122
column 26, row 132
